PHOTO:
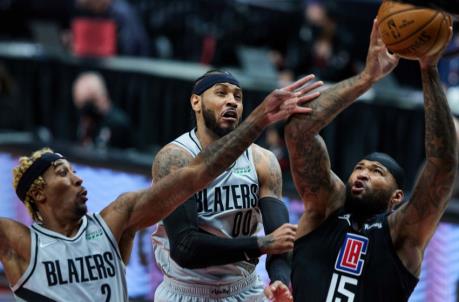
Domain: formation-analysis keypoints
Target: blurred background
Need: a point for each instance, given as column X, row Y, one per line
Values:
column 107, row 83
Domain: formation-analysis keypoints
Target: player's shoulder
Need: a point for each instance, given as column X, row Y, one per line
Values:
column 9, row 225
column 172, row 152
column 172, row 147
column 262, row 155
column 170, row 158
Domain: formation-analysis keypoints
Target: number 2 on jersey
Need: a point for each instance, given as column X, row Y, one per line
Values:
column 106, row 291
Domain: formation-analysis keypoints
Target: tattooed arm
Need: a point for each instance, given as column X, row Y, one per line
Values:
column 274, row 215
column 414, row 223
column 190, row 246
column 270, row 178
column 14, row 248
column 268, row 171
column 321, row 190
column 136, row 210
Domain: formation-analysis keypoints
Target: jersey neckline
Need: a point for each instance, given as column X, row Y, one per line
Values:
column 41, row 229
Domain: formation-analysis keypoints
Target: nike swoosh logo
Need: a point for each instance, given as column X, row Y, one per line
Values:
column 45, row 244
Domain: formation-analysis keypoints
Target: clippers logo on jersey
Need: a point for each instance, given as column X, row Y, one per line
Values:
column 350, row 255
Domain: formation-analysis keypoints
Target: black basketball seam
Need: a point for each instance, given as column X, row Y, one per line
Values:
column 400, row 11
column 437, row 36
column 415, row 32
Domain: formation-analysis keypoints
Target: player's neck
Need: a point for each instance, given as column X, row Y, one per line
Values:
column 66, row 227
column 206, row 136
column 358, row 220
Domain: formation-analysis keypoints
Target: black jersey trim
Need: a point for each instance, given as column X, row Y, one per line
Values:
column 184, row 147
column 231, row 167
column 194, row 141
column 31, row 296
column 63, row 238
column 115, row 247
column 33, row 267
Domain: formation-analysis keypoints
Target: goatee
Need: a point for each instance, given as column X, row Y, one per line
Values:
column 367, row 205
column 211, row 123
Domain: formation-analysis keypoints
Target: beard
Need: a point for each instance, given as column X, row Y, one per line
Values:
column 367, row 204
column 80, row 210
column 211, row 123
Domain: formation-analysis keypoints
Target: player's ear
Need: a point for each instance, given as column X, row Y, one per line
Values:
column 195, row 101
column 37, row 195
column 396, row 198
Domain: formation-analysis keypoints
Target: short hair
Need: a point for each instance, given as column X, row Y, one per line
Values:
column 24, row 164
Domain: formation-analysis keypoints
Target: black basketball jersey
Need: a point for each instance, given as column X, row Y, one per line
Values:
column 336, row 263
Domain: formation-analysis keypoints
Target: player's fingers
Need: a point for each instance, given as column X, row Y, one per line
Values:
column 308, row 97
column 449, row 39
column 275, row 285
column 268, row 292
column 299, row 83
column 308, row 88
column 289, row 238
column 291, row 226
column 374, row 32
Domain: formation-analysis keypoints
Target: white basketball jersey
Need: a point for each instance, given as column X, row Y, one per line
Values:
column 87, row 267
column 228, row 208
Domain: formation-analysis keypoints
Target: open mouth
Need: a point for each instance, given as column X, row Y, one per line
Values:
column 83, row 195
column 230, row 114
column 358, row 187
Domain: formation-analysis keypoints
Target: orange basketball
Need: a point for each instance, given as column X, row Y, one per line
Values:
column 412, row 31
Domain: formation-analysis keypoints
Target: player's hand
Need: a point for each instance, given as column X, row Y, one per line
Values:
column 280, row 241
column 379, row 61
column 278, row 292
column 432, row 60
column 282, row 103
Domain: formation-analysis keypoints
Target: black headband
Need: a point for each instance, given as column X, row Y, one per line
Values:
column 391, row 164
column 209, row 80
column 38, row 167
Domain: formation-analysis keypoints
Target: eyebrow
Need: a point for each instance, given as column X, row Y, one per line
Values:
column 373, row 165
column 380, row 166
column 59, row 163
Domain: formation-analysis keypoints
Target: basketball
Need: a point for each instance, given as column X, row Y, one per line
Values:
column 411, row 31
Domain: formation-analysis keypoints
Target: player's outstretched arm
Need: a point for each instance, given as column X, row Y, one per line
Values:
column 310, row 164
column 135, row 210
column 338, row 97
column 414, row 223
